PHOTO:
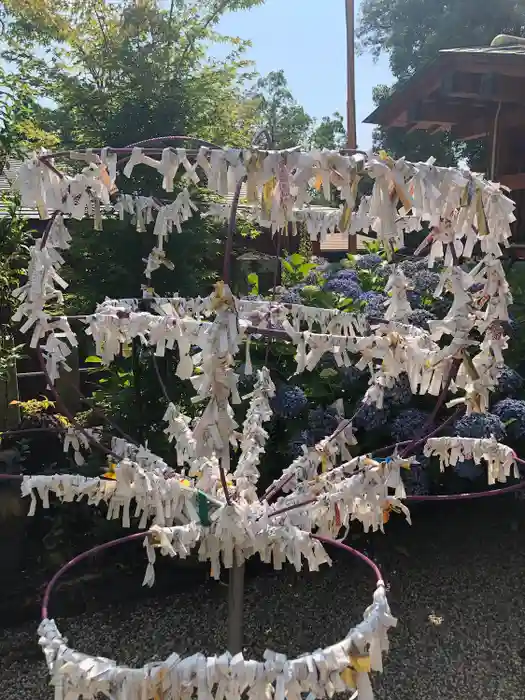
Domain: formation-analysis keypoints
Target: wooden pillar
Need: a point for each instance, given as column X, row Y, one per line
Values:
column 495, row 145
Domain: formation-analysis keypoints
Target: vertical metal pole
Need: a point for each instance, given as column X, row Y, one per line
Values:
column 351, row 138
column 236, row 577
column 235, row 607
column 136, row 369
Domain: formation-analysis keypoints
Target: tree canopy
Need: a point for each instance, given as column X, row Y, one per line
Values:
column 411, row 32
column 124, row 71
column 285, row 123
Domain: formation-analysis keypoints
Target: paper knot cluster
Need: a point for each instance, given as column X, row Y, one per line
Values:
column 209, row 503
column 500, row 459
column 342, row 667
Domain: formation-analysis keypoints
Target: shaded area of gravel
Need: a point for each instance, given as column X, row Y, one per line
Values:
column 456, row 583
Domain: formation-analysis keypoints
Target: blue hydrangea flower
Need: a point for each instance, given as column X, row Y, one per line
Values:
column 369, row 417
column 345, row 285
column 312, row 277
column 425, row 282
column 416, row 479
column 374, row 304
column 291, row 296
column 412, row 267
column 441, row 306
column 512, row 413
column 512, row 326
column 480, row 425
column 322, row 422
column 469, row 470
column 246, row 381
column 368, row 261
column 384, row 271
column 346, row 272
column 401, row 393
column 414, row 299
column 420, row 318
column 350, row 376
column 295, row 446
column 510, row 382
column 289, row 401
column 408, row 424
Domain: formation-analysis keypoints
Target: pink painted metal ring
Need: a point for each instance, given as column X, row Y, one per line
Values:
column 468, row 496
column 80, row 557
column 354, row 552
column 141, row 535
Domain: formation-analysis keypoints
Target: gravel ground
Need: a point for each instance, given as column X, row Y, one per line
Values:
column 455, row 582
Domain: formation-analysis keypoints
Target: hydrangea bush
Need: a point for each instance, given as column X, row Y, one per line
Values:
column 304, row 415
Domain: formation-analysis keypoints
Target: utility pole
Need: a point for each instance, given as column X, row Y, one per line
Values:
column 351, row 139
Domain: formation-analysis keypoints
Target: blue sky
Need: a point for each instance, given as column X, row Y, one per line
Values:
column 307, row 39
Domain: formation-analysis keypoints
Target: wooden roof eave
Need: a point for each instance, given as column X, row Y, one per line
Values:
column 423, row 82
column 393, row 111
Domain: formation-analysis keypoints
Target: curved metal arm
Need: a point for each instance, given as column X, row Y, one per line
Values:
column 160, row 139
column 76, row 560
column 141, row 535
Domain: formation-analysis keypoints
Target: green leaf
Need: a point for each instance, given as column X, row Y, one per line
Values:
column 287, row 266
column 93, row 359
column 253, row 281
column 328, row 373
column 306, row 268
column 310, row 289
column 296, row 259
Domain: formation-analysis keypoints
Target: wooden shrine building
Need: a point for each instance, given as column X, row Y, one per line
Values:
column 474, row 93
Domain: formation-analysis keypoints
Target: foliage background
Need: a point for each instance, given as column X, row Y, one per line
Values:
column 80, row 73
